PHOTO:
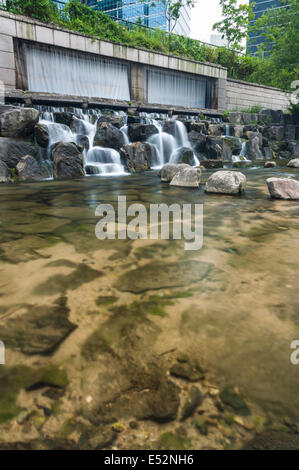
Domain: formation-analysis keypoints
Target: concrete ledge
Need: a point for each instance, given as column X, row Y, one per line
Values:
column 27, row 28
column 20, row 96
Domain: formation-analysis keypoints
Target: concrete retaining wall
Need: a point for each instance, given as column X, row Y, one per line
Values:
column 243, row 95
column 228, row 94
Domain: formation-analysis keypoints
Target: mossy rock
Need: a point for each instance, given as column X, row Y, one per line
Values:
column 194, row 399
column 234, row 401
column 171, row 441
column 12, row 380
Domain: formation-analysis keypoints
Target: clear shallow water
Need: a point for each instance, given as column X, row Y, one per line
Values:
column 237, row 318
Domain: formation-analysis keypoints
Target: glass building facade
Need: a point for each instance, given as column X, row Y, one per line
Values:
column 261, row 6
column 147, row 13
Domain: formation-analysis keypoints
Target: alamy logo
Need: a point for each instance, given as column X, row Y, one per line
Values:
column 2, row 353
column 186, row 223
column 295, row 354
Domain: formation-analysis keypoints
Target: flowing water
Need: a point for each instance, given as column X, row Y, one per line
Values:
column 107, row 161
column 237, row 319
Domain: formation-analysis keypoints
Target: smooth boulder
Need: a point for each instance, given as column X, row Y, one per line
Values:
column 68, row 160
column 294, row 163
column 41, row 134
column 137, row 156
column 187, row 178
column 283, row 188
column 169, row 170
column 226, row 182
column 108, row 136
column 18, row 122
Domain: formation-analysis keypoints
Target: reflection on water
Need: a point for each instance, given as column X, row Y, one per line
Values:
column 71, row 302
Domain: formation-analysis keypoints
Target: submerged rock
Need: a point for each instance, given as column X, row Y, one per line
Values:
column 164, row 275
column 169, row 170
column 137, row 156
column 4, row 173
column 226, row 182
column 18, row 122
column 283, row 188
column 187, row 177
column 186, row 371
column 29, row 169
column 211, row 163
column 294, row 163
column 270, row 164
column 40, row 330
column 108, row 136
column 194, row 399
column 234, row 401
column 68, row 160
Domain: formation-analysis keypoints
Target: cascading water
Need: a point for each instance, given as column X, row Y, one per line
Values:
column 97, row 160
column 103, row 161
column 168, row 146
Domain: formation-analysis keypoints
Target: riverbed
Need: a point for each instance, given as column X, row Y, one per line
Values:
column 111, row 317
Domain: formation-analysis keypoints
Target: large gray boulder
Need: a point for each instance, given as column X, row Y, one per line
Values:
column 215, row 130
column 187, row 178
column 68, row 160
column 137, row 156
column 29, row 169
column 226, row 182
column 108, row 136
column 183, row 155
column 141, row 132
column 253, row 151
column 283, row 188
column 41, row 135
column 169, row 170
column 293, row 147
column 12, row 150
column 198, row 141
column 18, row 122
column 214, row 147
column 234, row 143
column 270, row 115
column 4, row 173
column 294, row 163
column 275, row 133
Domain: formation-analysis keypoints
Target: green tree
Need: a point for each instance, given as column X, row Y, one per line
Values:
column 172, row 10
column 280, row 30
column 235, row 24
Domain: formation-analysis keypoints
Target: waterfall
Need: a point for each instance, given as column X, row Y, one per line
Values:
column 103, row 161
column 164, row 143
column 179, row 90
column 168, row 146
column 227, row 130
column 97, row 160
column 241, row 157
column 124, row 129
column 67, row 72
